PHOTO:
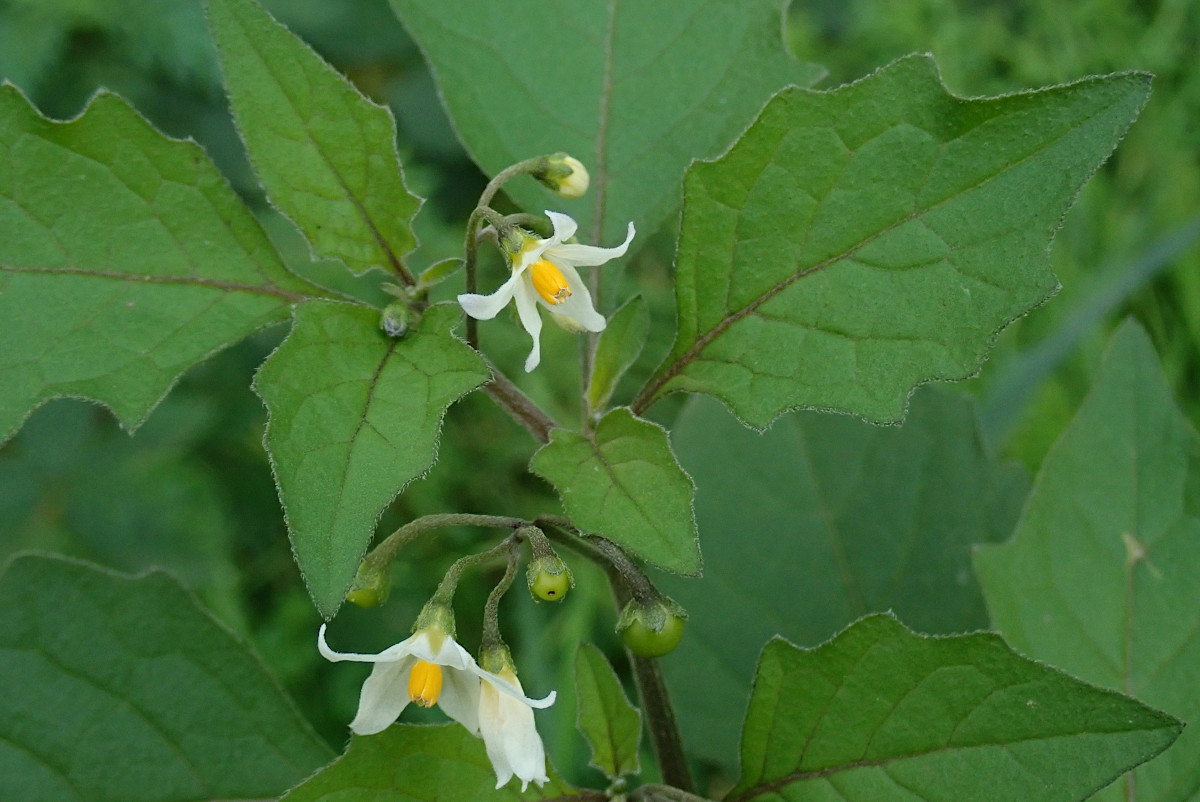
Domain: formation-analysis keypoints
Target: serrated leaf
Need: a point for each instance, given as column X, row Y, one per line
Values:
column 820, row 520
column 125, row 260
column 856, row 243
column 1100, row 578
column 604, row 82
column 621, row 481
column 881, row 713
column 355, row 416
column 609, row 723
column 325, row 154
column 620, row 344
column 121, row 687
column 414, row 763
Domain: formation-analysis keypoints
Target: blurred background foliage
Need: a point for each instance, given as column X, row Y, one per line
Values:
column 192, row 492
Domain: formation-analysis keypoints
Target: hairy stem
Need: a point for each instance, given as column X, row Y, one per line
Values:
column 520, row 406
column 629, row 582
column 383, row 554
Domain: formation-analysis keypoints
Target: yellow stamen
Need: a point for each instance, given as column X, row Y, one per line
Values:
column 549, row 282
column 425, row 683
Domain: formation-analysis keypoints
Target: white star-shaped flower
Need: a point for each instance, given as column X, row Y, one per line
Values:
column 543, row 271
column 429, row 668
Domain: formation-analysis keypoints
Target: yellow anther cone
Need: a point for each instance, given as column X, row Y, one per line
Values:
column 425, row 683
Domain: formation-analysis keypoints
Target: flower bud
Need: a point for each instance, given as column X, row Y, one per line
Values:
column 563, row 175
column 395, row 319
column 652, row 629
column 549, row 578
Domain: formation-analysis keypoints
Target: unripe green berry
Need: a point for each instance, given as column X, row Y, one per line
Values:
column 645, row 642
column 549, row 578
column 550, row 587
column 365, row 597
column 653, row 627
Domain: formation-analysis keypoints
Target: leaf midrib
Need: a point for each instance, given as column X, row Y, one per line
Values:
column 650, row 392
column 226, row 286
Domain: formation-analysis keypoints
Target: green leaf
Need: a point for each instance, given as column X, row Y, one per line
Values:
column 354, row 416
column 819, row 521
column 611, row 725
column 620, row 344
column 856, row 243
column 634, row 90
column 326, row 154
column 622, row 482
column 414, row 763
column 125, row 260
column 121, row 687
column 881, row 713
column 1101, row 576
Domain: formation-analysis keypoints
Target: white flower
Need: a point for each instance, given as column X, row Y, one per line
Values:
column 512, row 740
column 543, row 271
column 427, row 668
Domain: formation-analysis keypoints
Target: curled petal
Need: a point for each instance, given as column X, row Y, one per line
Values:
column 486, row 307
column 564, row 226
column 388, row 655
column 588, row 255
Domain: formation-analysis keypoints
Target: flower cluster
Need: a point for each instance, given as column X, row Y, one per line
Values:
column 543, row 272
column 429, row 668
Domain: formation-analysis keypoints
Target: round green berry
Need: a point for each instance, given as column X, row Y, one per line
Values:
column 550, row 587
column 645, row 642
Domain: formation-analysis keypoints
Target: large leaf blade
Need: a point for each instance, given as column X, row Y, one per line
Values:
column 325, row 154
column 354, row 416
column 818, row 521
column 126, row 259
column 1100, row 577
column 621, row 481
column 856, row 243
column 881, row 713
column 412, row 763
column 604, row 82
column 124, row 688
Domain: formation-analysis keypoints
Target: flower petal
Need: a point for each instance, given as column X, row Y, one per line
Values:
column 564, row 226
column 388, row 655
column 384, row 696
column 460, row 697
column 486, row 307
column 527, row 310
column 511, row 738
column 578, row 306
column 587, row 255
column 491, row 729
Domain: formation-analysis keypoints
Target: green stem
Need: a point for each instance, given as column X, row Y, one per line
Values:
column 491, row 609
column 628, row 583
column 520, row 406
column 444, row 594
column 383, row 554
column 471, row 257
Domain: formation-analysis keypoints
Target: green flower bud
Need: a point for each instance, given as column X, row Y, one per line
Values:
column 395, row 319
column 563, row 175
column 652, row 629
column 549, row 578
